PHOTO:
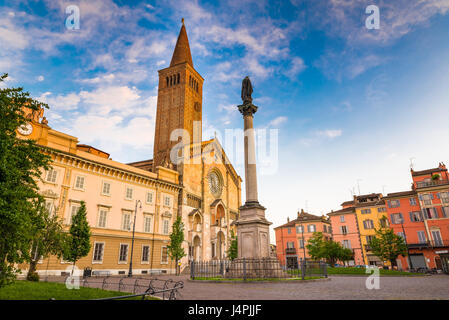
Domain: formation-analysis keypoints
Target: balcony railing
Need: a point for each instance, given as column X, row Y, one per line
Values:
column 425, row 184
column 290, row 250
column 427, row 244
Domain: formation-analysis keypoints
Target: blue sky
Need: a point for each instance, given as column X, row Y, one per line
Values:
column 352, row 105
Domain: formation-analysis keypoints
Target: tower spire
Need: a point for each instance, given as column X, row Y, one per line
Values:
column 182, row 49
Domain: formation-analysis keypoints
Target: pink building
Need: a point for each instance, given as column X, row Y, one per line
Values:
column 345, row 231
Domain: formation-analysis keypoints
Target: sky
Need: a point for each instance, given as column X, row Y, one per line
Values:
column 352, row 107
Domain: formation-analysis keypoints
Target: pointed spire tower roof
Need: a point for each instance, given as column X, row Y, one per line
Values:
column 182, row 50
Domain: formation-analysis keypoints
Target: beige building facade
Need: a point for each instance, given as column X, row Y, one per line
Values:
column 205, row 190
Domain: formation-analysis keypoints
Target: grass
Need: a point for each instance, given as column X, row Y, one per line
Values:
column 252, row 280
column 362, row 271
column 27, row 290
column 355, row 271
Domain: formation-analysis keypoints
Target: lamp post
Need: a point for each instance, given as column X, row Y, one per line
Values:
column 303, row 242
column 130, row 272
column 406, row 245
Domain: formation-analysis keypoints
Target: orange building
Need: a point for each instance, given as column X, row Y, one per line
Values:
column 292, row 237
column 422, row 217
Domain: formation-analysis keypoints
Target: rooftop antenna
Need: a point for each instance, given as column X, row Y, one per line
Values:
column 358, row 184
column 411, row 163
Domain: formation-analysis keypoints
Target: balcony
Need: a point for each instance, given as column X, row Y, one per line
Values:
column 425, row 184
column 290, row 251
column 426, row 244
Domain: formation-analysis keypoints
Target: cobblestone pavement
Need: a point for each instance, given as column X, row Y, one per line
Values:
column 337, row 288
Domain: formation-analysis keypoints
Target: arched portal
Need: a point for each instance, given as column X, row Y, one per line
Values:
column 221, row 245
column 196, row 248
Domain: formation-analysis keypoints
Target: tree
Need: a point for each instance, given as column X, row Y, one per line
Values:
column 233, row 247
column 78, row 240
column 48, row 238
column 21, row 166
column 387, row 245
column 175, row 249
column 320, row 248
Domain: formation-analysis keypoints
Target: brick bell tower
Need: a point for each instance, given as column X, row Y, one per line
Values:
column 179, row 101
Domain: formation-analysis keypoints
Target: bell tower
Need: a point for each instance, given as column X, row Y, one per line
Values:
column 179, row 101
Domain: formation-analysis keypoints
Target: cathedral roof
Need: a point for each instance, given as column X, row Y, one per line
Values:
column 182, row 49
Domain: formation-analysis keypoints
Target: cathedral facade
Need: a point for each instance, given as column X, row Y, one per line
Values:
column 210, row 197
column 204, row 189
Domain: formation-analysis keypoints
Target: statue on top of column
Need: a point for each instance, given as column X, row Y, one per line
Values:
column 247, row 90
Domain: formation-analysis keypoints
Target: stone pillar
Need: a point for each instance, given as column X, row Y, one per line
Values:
column 252, row 227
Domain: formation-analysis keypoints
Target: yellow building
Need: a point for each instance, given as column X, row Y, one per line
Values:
column 205, row 192
column 371, row 215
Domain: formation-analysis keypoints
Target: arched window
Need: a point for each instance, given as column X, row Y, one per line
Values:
column 190, row 81
column 171, row 81
column 167, row 81
column 178, row 79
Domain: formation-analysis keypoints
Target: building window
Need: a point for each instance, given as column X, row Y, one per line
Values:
column 147, row 223
column 416, row 216
column 106, row 190
column 444, row 196
column 366, row 211
column 126, row 221
column 299, row 229
column 384, row 222
column 344, row 230
column 79, row 183
column 129, row 193
column 165, row 226
column 149, row 197
column 368, row 224
column 290, row 245
column 167, row 201
column 98, row 252
column 437, row 241
column 396, row 218
column 381, row 209
column 393, row 203
column 430, row 213
column 51, row 176
column 346, row 244
column 401, row 234
column 73, row 210
column 422, row 237
column 289, row 230
column 164, row 255
column 311, row 228
column 445, row 211
column 145, row 254
column 412, row 201
column 301, row 243
column 102, row 216
column 324, row 228
column 123, row 254
column 426, row 199
column 49, row 206
column 342, row 218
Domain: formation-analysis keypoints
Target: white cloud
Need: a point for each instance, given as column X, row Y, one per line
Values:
column 62, row 102
column 331, row 134
column 297, row 66
column 276, row 122
column 40, row 78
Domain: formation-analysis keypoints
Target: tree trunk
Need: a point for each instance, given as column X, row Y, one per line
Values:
column 32, row 268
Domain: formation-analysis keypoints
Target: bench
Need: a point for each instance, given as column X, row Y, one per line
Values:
column 101, row 273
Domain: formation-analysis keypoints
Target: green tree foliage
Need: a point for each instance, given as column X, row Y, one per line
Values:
column 233, row 247
column 21, row 165
column 77, row 244
column 48, row 237
column 331, row 251
column 175, row 249
column 387, row 245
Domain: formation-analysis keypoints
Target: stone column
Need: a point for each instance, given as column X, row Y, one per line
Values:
column 252, row 227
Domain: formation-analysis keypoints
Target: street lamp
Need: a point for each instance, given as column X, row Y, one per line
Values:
column 406, row 245
column 303, row 242
column 130, row 272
